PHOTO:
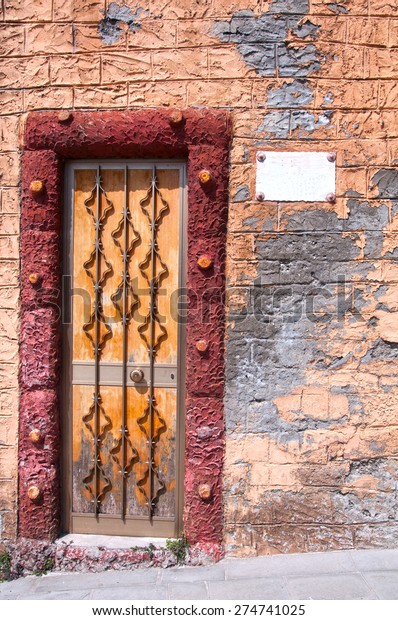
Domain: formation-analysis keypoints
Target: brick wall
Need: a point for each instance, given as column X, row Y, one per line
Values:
column 311, row 402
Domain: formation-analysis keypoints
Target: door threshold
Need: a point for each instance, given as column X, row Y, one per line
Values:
column 110, row 542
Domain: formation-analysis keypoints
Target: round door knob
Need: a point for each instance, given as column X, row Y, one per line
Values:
column 137, row 376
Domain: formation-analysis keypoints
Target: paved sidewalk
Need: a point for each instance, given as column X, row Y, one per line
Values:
column 335, row 575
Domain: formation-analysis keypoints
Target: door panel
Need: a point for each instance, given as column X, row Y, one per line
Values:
column 126, row 260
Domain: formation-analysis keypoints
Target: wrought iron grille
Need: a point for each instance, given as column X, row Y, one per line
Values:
column 152, row 332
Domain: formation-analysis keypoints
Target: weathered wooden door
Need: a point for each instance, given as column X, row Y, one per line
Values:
column 124, row 389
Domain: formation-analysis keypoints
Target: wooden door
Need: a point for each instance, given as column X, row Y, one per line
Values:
column 125, row 387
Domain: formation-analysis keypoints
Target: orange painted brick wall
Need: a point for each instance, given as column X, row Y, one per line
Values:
column 312, row 358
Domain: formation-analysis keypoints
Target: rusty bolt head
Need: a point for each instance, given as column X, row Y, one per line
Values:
column 331, row 198
column 34, row 493
column 205, row 177
column 261, row 156
column 34, row 278
column 260, row 196
column 204, row 491
column 176, row 117
column 205, row 261
column 64, row 116
column 36, row 187
column 331, row 157
column 202, row 346
column 35, row 435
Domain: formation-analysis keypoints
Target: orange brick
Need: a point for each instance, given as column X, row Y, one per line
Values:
column 8, row 353
column 388, row 94
column 9, row 224
column 346, row 94
column 153, row 34
column 9, row 169
column 9, row 247
column 24, row 72
column 347, row 61
column 241, row 247
column 8, row 461
column 226, row 8
column 381, row 63
column 289, row 406
column 49, row 39
column 8, row 377
column 169, row 9
column 180, row 64
column 9, row 522
column 331, row 29
column 393, row 38
column 11, row 101
column 362, row 125
column 27, row 10
column 9, row 398
column 353, row 152
column 101, row 97
column 253, row 216
column 196, row 32
column 8, row 493
column 74, row 70
column 48, row 98
column 241, row 272
column 350, row 180
column 247, row 122
column 282, row 476
column 126, row 68
column 389, row 8
column 11, row 40
column 78, row 10
column 392, row 152
column 367, row 31
column 153, row 94
column 220, row 93
column 338, row 406
column 9, row 133
column 315, row 403
column 243, row 174
column 87, row 39
column 324, row 7
column 226, row 62
column 374, row 443
column 9, row 297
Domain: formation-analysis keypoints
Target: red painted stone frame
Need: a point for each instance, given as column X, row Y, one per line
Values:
column 203, row 138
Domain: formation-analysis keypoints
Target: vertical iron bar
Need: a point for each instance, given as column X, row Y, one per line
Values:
column 97, row 337
column 125, row 335
column 151, row 342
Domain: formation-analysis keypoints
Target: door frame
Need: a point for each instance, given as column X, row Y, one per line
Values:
column 66, row 337
column 202, row 137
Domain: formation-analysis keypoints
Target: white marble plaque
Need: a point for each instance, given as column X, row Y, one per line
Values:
column 295, row 176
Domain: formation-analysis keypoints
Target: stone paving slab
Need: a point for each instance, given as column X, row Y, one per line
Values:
column 268, row 588
column 106, row 579
column 295, row 564
column 334, row 575
column 131, row 593
column 375, row 559
column 188, row 591
column 194, row 573
column 384, row 583
column 349, row 586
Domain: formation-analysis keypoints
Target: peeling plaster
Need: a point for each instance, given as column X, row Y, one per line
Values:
column 110, row 29
column 263, row 42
